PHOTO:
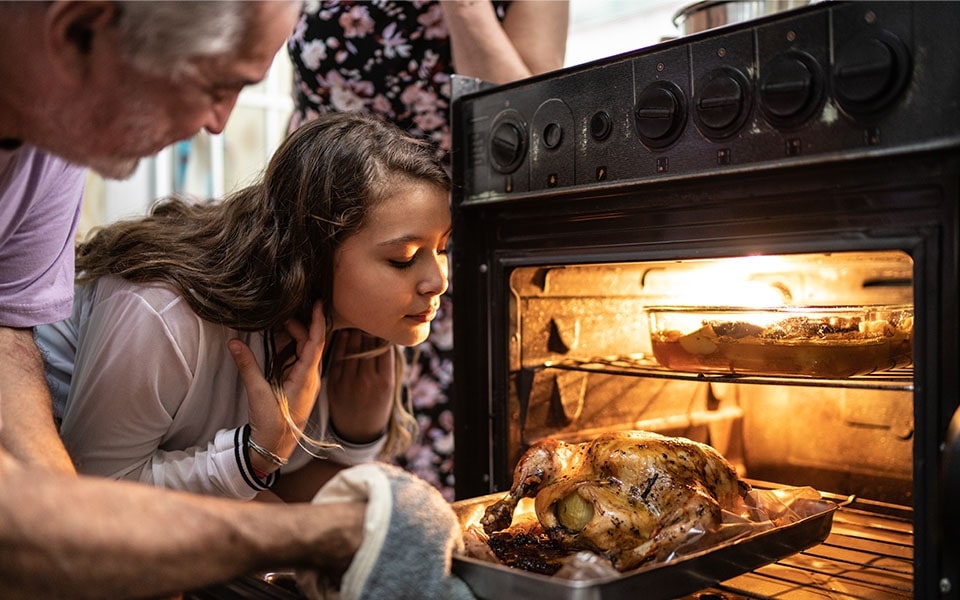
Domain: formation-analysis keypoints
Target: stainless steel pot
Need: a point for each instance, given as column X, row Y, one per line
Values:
column 708, row 14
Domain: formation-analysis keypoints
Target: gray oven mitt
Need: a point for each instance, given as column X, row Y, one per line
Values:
column 410, row 535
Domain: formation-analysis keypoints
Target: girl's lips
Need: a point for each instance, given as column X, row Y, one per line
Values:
column 424, row 317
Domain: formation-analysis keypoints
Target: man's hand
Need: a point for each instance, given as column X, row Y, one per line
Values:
column 410, row 534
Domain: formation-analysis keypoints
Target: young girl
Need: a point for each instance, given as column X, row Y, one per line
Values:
column 347, row 231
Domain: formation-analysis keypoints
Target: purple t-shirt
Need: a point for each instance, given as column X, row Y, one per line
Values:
column 40, row 198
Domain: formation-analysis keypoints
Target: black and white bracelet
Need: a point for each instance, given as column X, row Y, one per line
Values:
column 256, row 480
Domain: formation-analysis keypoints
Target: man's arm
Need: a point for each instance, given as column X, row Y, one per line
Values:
column 63, row 536
column 26, row 410
column 67, row 536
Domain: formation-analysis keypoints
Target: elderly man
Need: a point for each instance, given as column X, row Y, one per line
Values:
column 101, row 84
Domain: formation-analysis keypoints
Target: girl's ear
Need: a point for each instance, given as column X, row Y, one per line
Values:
column 76, row 32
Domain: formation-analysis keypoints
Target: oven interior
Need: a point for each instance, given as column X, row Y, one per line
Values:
column 583, row 363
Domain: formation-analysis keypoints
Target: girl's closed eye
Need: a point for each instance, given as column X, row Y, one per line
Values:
column 403, row 264
column 407, row 263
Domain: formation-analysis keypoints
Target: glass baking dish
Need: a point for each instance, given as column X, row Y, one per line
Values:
column 828, row 342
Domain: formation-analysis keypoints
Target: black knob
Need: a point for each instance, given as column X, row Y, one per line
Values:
column 722, row 102
column 790, row 89
column 601, row 125
column 870, row 72
column 552, row 136
column 507, row 146
column 661, row 114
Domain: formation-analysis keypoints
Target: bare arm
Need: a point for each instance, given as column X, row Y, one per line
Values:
column 26, row 411
column 531, row 40
column 304, row 483
column 65, row 537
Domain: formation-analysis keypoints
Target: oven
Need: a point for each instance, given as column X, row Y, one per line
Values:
column 802, row 166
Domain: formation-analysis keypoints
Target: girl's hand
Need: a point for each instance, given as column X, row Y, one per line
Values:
column 268, row 428
column 360, row 389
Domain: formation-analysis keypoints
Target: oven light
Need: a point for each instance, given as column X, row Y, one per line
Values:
column 752, row 294
column 749, row 281
column 726, row 288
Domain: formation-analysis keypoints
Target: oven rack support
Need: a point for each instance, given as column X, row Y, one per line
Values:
column 636, row 366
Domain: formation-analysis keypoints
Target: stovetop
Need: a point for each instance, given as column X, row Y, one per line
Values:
column 825, row 82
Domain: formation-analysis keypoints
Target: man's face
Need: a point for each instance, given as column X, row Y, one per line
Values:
column 130, row 114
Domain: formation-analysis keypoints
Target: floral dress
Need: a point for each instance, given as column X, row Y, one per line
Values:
column 388, row 58
column 391, row 58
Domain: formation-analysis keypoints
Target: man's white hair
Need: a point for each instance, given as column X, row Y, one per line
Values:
column 161, row 36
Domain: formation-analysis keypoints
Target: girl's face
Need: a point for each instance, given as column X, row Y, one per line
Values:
column 389, row 276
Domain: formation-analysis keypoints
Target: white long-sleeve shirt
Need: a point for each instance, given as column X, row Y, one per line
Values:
column 146, row 390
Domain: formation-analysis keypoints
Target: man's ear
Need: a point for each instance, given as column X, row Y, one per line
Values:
column 72, row 30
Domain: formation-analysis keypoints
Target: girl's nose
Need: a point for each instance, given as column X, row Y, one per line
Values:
column 434, row 280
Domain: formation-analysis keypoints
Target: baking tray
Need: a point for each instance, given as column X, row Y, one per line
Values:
column 662, row 581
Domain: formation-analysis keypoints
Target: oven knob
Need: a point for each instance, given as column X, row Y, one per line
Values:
column 869, row 72
column 791, row 89
column 601, row 125
column 507, row 145
column 552, row 136
column 661, row 114
column 722, row 102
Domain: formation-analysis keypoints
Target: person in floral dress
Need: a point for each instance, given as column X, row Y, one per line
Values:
column 393, row 59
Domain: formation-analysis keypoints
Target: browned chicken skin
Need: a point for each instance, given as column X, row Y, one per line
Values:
column 630, row 496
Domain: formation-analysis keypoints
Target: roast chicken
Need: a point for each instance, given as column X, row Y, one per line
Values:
column 630, row 496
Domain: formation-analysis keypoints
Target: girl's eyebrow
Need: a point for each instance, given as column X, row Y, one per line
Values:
column 399, row 241
column 409, row 238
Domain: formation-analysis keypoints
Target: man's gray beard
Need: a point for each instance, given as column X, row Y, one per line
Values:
column 114, row 168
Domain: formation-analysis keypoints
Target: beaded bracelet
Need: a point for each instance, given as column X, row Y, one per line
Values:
column 266, row 454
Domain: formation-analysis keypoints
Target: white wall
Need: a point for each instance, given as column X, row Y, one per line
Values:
column 602, row 28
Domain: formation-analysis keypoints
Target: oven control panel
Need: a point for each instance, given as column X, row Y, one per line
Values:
column 831, row 81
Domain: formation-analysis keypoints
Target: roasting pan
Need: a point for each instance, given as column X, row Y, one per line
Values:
column 675, row 578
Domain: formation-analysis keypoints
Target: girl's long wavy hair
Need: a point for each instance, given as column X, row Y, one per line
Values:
column 265, row 253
